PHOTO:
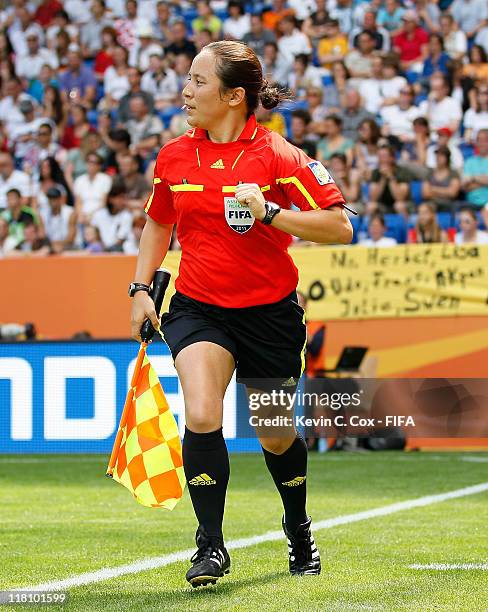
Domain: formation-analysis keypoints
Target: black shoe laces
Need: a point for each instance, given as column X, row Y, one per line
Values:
column 302, row 548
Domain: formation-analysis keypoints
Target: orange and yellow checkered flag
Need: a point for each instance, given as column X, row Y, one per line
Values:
column 146, row 457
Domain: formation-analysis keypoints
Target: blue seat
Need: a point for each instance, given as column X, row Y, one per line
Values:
column 356, row 222
column 92, row 116
column 416, row 192
column 396, row 227
column 466, row 149
column 444, row 219
column 167, row 114
column 364, row 192
column 411, row 76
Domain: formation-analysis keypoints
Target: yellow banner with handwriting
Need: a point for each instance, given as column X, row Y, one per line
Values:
column 415, row 280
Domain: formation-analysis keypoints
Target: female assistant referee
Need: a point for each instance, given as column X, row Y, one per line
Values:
column 229, row 183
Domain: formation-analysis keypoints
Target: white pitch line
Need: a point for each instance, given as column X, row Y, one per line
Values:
column 270, row 536
column 450, row 566
column 475, row 459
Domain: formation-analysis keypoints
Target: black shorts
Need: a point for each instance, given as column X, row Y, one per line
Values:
column 267, row 341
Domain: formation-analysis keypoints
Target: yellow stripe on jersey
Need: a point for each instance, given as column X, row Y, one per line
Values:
column 301, row 188
column 232, row 188
column 302, row 354
column 150, row 199
column 186, row 187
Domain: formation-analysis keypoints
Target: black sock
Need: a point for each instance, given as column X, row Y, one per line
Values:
column 206, row 464
column 289, row 471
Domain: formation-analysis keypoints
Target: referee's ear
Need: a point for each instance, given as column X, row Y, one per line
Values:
column 236, row 96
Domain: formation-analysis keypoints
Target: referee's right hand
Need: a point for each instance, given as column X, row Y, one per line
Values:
column 142, row 309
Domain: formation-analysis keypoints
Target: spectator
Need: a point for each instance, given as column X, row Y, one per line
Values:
column 179, row 42
column 114, row 221
column 272, row 17
column 161, row 83
column 59, row 221
column 91, row 32
column 29, row 65
column 78, row 83
column 237, row 24
column 315, row 26
column 300, row 122
column 427, row 229
column 163, row 23
column 271, row 119
column 444, row 139
column 334, row 141
column 33, row 244
column 477, row 68
column 353, row 114
column 303, row 76
column 12, row 179
column 18, row 215
column 258, row 35
column 377, row 231
column 392, row 82
column 390, row 17
column 366, row 148
column 182, row 67
column 275, row 67
column 7, row 242
column 437, row 60
column 202, row 39
column 77, row 128
column 104, row 57
column 292, row 42
column 346, row 178
column 61, row 49
column 61, row 22
column 371, row 90
column 136, row 187
column 21, row 136
column 414, row 153
column 455, row 42
column 206, row 20
column 333, row 46
column 115, row 80
column 143, row 127
column 476, row 119
column 443, row 184
column 43, row 147
column 335, row 92
column 134, row 77
column 50, row 176
column 118, row 142
column 92, row 243
column 10, row 114
column 318, row 112
column 381, row 36
column 390, row 188
column 20, row 28
column 475, row 179
column 131, row 244
column 481, row 38
column 359, row 61
column 411, row 43
column 342, row 11
column 144, row 47
column 398, row 118
column 469, row 232
column 471, row 15
column 440, row 108
column 429, row 14
column 126, row 26
column 46, row 11
column 91, row 189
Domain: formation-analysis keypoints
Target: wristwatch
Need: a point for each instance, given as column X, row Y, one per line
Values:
column 135, row 287
column 272, row 210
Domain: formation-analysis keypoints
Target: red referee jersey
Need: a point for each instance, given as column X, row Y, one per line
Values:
column 229, row 258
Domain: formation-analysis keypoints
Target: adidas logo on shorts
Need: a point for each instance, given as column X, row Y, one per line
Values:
column 203, row 479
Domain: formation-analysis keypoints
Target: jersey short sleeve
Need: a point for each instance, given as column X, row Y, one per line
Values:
column 159, row 205
column 303, row 180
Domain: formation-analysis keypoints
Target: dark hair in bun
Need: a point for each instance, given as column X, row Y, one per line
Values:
column 237, row 65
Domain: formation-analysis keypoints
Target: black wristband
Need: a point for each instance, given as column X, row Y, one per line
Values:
column 135, row 287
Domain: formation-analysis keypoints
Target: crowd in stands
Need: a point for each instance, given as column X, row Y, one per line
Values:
column 390, row 95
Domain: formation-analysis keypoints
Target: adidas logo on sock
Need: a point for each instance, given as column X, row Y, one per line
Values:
column 218, row 165
column 298, row 480
column 203, row 479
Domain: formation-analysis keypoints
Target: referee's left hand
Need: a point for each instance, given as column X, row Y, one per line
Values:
column 250, row 194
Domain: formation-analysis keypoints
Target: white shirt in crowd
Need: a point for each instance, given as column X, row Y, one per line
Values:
column 480, row 238
column 400, row 122
column 57, row 226
column 29, row 66
column 115, row 85
column 457, row 159
column 384, row 241
column 78, row 10
column 456, row 43
column 294, row 44
column 237, row 28
column 17, row 180
column 10, row 114
column 164, row 88
column 139, row 56
column 441, row 113
column 92, row 194
column 475, row 121
column 112, row 228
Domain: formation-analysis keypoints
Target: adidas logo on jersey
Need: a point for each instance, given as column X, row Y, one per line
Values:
column 203, row 479
column 218, row 165
column 295, row 482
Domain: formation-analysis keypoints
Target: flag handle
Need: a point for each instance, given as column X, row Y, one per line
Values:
column 125, row 411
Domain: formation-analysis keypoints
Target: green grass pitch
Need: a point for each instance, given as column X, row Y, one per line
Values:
column 60, row 516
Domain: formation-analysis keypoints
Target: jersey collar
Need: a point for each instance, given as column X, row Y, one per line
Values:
column 248, row 133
